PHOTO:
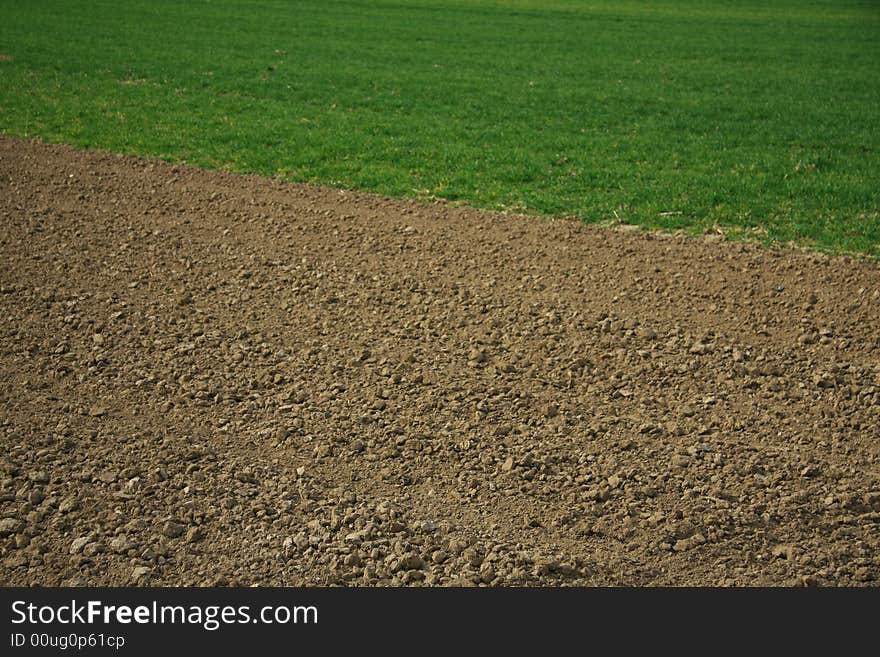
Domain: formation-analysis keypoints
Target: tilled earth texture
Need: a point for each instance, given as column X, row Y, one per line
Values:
column 212, row 379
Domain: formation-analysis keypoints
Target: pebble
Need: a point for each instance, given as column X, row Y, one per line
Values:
column 122, row 544
column 783, row 552
column 194, row 535
column 40, row 477
column 139, row 573
column 473, row 557
column 246, row 477
column 477, row 356
column 687, row 543
column 369, row 574
column 16, row 561
column 108, row 476
column 173, row 529
column 411, row 562
column 79, row 543
column 68, row 504
column 10, row 526
column 355, row 538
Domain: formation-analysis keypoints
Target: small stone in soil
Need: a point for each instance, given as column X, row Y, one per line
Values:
column 173, row 529
column 79, row 543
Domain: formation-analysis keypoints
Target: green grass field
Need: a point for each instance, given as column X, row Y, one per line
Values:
column 757, row 118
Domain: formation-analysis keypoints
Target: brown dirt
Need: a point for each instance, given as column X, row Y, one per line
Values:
column 218, row 379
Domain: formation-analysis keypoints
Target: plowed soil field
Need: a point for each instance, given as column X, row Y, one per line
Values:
column 216, row 379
